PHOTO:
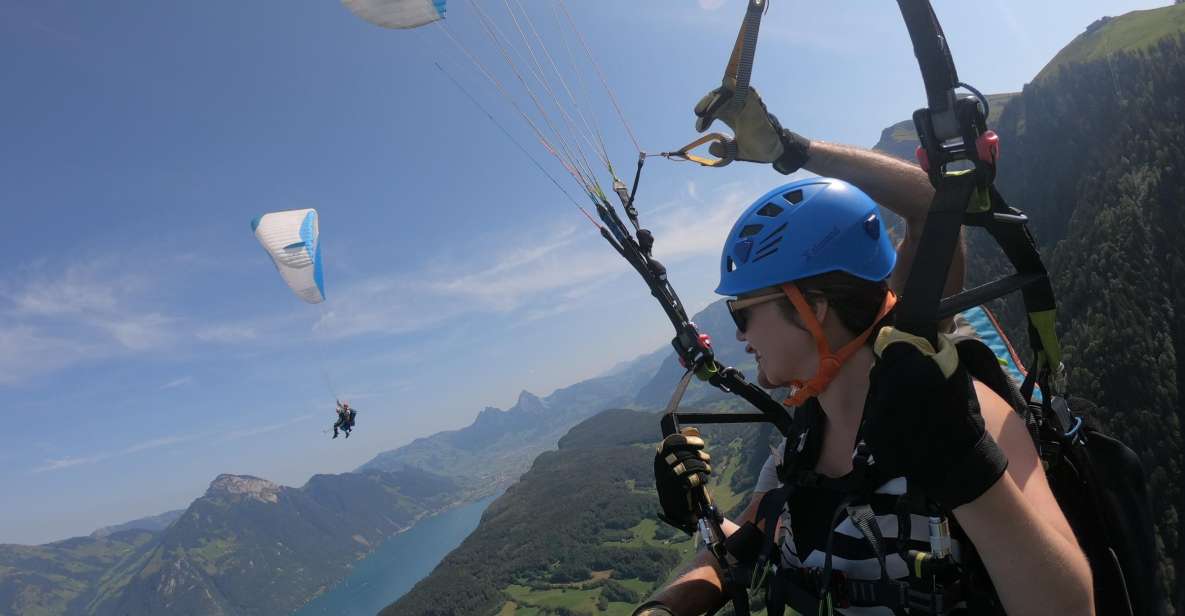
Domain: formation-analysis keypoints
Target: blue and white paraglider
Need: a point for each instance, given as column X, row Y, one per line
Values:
column 292, row 239
column 400, row 14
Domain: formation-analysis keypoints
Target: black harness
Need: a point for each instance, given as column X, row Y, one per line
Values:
column 936, row 583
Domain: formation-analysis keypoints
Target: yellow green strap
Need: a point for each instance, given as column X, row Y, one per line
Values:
column 1044, row 322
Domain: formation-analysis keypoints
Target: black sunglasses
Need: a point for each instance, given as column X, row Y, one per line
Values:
column 738, row 308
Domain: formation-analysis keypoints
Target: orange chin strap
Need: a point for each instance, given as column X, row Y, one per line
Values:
column 829, row 363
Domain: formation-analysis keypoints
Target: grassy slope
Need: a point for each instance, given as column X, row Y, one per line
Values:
column 1132, row 31
column 582, row 597
column 60, row 577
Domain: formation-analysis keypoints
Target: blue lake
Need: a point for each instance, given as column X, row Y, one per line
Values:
column 396, row 566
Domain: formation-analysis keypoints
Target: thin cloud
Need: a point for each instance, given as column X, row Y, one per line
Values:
column 175, row 383
column 27, row 352
column 157, row 443
column 93, row 310
column 93, row 300
column 56, row 464
column 227, row 333
column 394, row 305
column 142, row 332
column 246, row 432
column 78, row 290
column 59, row 464
column 538, row 280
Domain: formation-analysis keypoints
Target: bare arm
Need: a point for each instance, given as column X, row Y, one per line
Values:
column 901, row 187
column 1020, row 531
column 699, row 588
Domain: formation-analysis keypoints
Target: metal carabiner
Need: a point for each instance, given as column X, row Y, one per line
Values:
column 684, row 153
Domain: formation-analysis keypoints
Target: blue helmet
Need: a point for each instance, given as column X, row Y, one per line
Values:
column 802, row 229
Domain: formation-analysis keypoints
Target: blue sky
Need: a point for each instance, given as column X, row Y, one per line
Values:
column 146, row 343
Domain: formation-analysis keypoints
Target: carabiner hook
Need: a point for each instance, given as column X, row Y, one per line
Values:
column 684, row 153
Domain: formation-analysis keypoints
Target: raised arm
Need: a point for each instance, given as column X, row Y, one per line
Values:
column 901, row 187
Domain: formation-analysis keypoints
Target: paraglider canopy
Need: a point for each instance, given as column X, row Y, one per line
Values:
column 397, row 13
column 291, row 239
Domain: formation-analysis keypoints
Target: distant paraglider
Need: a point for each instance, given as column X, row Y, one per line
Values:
column 345, row 418
column 292, row 239
column 400, row 14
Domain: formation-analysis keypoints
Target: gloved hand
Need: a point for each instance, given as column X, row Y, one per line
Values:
column 680, row 466
column 759, row 136
column 925, row 422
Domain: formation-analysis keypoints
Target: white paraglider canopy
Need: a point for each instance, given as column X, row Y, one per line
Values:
column 397, row 13
column 291, row 239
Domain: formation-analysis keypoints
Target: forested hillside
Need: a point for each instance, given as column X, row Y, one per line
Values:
column 1094, row 153
column 1096, row 156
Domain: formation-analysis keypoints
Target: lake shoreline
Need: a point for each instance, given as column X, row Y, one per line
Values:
column 394, row 566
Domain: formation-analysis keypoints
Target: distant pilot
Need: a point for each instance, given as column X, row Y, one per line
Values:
column 345, row 419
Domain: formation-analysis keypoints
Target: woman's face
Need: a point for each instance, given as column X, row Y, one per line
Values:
column 785, row 352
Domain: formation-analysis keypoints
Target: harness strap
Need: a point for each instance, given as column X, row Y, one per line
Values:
column 864, row 519
column 912, row 596
column 829, row 362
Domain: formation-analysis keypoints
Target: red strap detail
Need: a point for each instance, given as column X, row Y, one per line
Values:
column 829, row 363
column 987, row 146
column 923, row 158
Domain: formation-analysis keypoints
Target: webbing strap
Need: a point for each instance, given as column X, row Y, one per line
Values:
column 934, row 58
column 864, row 519
column 740, row 63
column 791, row 583
column 917, row 313
column 953, row 129
column 829, row 362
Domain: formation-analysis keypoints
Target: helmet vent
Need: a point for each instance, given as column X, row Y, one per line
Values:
column 769, row 210
column 794, row 197
column 765, row 253
column 751, row 230
column 769, row 245
column 872, row 227
column 774, row 237
column 730, row 266
column 742, row 250
column 768, row 249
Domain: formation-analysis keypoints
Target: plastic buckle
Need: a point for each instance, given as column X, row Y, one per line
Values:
column 1072, row 434
column 987, row 147
column 923, row 158
column 1058, row 380
column 1061, row 412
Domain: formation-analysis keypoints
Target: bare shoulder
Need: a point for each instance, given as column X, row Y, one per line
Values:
column 1010, row 433
column 1008, row 429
